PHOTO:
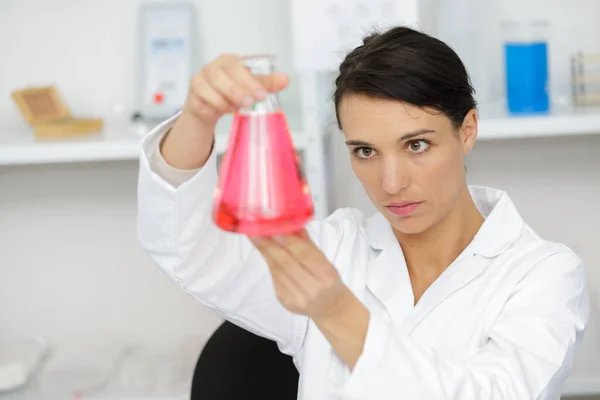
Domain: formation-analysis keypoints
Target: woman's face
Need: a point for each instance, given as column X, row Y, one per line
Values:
column 410, row 161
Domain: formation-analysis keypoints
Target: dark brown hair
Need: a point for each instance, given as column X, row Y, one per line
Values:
column 409, row 66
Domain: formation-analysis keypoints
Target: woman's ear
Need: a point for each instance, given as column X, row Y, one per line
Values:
column 468, row 131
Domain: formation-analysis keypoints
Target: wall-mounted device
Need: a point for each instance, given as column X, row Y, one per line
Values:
column 166, row 57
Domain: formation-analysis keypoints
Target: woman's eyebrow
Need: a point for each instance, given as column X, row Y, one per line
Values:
column 404, row 137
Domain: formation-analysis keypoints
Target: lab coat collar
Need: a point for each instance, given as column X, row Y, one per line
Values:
column 502, row 226
column 388, row 278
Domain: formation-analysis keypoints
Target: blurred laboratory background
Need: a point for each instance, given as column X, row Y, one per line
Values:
column 85, row 314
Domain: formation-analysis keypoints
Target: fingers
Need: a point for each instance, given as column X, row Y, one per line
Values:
column 282, row 262
column 301, row 247
column 275, row 82
column 293, row 285
column 226, row 84
column 284, row 285
column 202, row 109
column 207, row 96
column 252, row 85
column 303, row 278
column 232, row 91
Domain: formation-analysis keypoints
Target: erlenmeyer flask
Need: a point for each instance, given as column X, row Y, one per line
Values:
column 262, row 190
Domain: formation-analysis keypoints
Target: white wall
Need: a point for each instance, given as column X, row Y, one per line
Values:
column 70, row 261
column 69, row 258
column 88, row 47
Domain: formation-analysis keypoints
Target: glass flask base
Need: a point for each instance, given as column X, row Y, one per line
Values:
column 229, row 221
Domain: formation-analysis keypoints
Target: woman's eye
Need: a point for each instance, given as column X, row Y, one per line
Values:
column 418, row 146
column 364, row 152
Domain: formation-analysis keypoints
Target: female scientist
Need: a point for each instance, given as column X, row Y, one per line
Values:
column 445, row 293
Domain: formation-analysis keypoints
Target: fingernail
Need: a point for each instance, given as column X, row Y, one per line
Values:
column 278, row 239
column 260, row 94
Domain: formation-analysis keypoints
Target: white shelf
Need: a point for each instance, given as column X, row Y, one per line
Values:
column 18, row 146
column 495, row 124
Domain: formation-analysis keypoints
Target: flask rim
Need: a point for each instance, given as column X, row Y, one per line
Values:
column 260, row 63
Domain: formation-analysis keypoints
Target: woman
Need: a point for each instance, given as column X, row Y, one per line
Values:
column 444, row 294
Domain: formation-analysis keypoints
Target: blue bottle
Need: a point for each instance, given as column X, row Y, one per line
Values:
column 526, row 63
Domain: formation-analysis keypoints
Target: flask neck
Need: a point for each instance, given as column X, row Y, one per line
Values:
column 262, row 65
column 267, row 106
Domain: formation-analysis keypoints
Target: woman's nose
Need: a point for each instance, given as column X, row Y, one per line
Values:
column 394, row 176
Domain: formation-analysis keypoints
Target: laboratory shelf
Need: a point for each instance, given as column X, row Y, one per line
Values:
column 18, row 146
column 496, row 124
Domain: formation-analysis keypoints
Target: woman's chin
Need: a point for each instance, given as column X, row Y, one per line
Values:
column 408, row 225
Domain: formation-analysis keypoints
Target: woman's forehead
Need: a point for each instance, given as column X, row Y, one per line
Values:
column 361, row 114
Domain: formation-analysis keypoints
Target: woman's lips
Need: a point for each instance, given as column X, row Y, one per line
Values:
column 404, row 209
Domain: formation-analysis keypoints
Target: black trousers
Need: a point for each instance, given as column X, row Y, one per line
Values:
column 237, row 364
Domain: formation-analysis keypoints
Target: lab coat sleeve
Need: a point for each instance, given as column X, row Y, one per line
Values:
column 221, row 270
column 528, row 354
column 173, row 176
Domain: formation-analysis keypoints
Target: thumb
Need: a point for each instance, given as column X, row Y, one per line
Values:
column 275, row 82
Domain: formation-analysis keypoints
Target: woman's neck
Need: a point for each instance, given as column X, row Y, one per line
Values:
column 429, row 253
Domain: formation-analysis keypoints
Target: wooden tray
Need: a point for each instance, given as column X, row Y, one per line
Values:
column 45, row 111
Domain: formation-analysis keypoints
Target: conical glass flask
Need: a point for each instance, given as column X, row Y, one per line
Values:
column 262, row 190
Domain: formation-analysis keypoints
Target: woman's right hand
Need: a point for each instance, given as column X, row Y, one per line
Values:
column 222, row 86
column 225, row 85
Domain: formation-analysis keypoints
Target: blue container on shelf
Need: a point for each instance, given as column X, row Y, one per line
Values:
column 526, row 68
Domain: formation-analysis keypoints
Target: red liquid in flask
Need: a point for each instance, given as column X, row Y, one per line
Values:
column 262, row 190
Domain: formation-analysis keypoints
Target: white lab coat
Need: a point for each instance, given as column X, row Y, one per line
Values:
column 503, row 321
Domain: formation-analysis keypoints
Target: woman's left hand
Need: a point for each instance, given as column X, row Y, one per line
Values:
column 305, row 281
